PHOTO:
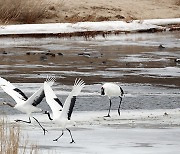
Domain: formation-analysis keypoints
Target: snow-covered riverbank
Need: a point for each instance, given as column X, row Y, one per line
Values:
column 59, row 29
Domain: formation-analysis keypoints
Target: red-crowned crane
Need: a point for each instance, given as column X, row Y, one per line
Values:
column 23, row 103
column 112, row 90
column 62, row 113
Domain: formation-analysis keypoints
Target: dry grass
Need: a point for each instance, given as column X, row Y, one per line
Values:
column 23, row 11
column 11, row 140
column 177, row 2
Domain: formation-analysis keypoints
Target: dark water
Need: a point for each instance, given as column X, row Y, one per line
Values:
column 148, row 74
column 137, row 96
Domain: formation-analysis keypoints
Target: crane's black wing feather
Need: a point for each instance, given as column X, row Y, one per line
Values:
column 73, row 100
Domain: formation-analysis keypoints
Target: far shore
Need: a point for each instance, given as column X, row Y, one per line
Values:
column 72, row 11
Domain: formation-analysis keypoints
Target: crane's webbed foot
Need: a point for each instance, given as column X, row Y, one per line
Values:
column 23, row 121
column 72, row 141
column 55, row 140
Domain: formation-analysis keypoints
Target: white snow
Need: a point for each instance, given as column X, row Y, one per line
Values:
column 162, row 21
column 55, row 28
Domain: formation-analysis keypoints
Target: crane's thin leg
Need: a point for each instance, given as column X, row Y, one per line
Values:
column 70, row 135
column 59, row 136
column 119, row 105
column 23, row 121
column 109, row 108
column 41, row 126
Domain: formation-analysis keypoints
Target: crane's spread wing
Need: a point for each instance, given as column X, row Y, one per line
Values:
column 38, row 96
column 71, row 99
column 11, row 90
column 52, row 100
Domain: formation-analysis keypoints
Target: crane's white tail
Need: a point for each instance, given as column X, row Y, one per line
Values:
column 50, row 80
column 78, row 86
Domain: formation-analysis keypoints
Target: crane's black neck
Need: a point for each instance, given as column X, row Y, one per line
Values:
column 102, row 91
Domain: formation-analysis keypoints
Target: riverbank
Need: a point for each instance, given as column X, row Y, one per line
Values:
column 70, row 11
column 90, row 29
column 113, row 10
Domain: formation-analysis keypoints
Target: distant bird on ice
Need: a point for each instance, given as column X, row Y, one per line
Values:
column 25, row 104
column 112, row 90
column 62, row 113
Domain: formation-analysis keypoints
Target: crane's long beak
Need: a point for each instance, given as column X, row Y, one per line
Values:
column 45, row 112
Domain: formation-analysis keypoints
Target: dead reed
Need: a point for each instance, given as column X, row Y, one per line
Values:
column 11, row 140
column 23, row 11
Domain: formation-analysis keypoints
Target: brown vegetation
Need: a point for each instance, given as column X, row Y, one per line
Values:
column 51, row 11
column 23, row 11
column 177, row 2
column 11, row 140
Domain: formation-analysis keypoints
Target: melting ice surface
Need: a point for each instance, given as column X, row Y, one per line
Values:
column 135, row 131
column 149, row 121
column 146, row 124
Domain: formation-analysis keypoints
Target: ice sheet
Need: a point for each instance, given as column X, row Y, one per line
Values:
column 134, row 132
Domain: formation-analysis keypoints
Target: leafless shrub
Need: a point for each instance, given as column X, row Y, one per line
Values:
column 23, row 11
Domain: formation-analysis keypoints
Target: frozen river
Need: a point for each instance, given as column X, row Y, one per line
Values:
column 149, row 121
column 147, row 73
column 126, row 58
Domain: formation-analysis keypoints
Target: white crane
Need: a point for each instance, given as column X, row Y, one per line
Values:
column 112, row 90
column 62, row 113
column 23, row 103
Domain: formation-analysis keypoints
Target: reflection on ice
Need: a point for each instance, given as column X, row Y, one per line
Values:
column 158, row 72
column 123, row 58
column 140, row 58
column 148, row 39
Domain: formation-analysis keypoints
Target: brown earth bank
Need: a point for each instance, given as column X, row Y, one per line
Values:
column 93, row 10
column 45, row 11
